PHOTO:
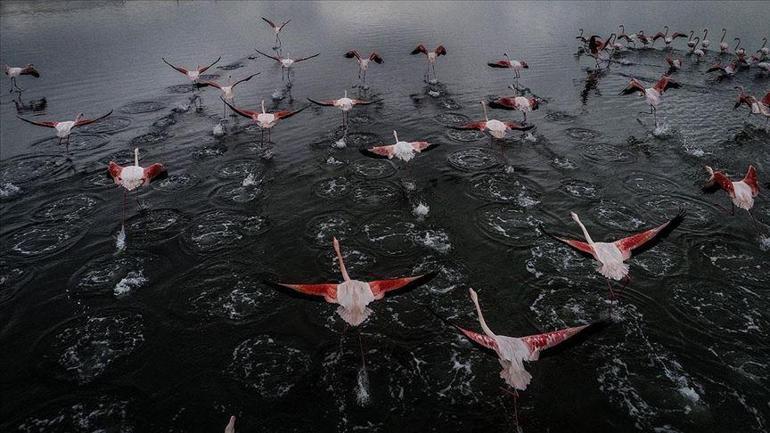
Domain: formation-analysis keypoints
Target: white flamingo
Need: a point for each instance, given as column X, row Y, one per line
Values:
column 276, row 29
column 264, row 120
column 403, row 150
column 345, row 104
column 287, row 62
column 431, row 56
column 363, row 63
column 497, row 129
column 64, row 129
column 14, row 71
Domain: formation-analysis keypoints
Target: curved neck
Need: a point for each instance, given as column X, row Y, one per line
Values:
column 705, row 33
column 344, row 271
column 666, row 27
column 738, row 44
column 583, row 228
column 481, row 316
column 724, row 32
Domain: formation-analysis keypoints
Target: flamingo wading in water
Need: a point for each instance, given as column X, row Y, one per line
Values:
column 227, row 90
column 653, row 95
column 287, row 63
column 761, row 107
column 497, row 129
column 263, row 119
column 345, row 104
column 668, row 40
column 14, row 72
column 192, row 74
column 432, row 56
column 519, row 103
column 723, row 47
column 741, row 193
column 63, row 129
column 363, row 64
column 276, row 29
column 515, row 65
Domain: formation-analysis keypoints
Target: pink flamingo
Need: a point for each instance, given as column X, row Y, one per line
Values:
column 431, row 56
column 265, row 120
column 723, row 47
column 666, row 38
column 497, row 129
column 227, row 90
column 192, row 74
column 276, row 29
column 363, row 63
column 761, row 107
column 63, row 129
column 345, row 104
column 14, row 72
column 515, row 65
column 519, row 103
column 287, row 62
column 403, row 150
column 741, row 193
column 653, row 95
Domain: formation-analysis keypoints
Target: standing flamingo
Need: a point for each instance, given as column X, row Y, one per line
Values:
column 520, row 103
column 14, row 72
column 723, row 47
column 63, row 129
column 705, row 44
column 666, row 38
column 497, row 129
column 287, row 62
column 345, row 104
column 691, row 42
column 697, row 51
column 653, row 95
column 227, row 90
column 363, row 64
column 630, row 39
column 741, row 193
column 737, row 50
column 403, row 150
column 644, row 39
column 515, row 65
column 612, row 255
column 431, row 56
column 264, row 120
column 276, row 29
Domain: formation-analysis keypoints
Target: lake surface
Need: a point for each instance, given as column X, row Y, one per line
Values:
column 179, row 331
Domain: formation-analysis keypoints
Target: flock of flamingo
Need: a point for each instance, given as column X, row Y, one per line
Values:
column 353, row 297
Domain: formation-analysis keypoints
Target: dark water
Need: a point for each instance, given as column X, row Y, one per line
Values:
column 179, row 331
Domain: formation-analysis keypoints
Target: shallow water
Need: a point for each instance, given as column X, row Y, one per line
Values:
column 178, row 329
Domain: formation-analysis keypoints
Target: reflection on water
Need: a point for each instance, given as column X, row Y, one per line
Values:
column 182, row 328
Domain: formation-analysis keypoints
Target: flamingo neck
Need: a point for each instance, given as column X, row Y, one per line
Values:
column 346, row 93
column 344, row 271
column 482, row 322
column 395, row 135
column 263, row 107
column 136, row 156
column 724, row 32
column 584, row 230
column 484, row 106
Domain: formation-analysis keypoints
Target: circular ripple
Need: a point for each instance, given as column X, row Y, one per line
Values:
column 362, row 139
column 12, row 277
column 139, row 107
column 206, row 152
column 268, row 366
column 645, row 182
column 321, row 229
column 115, row 274
column 98, row 180
column 550, row 257
column 372, row 168
column 85, row 347
column 23, row 169
column 700, row 216
column 582, row 134
column 236, row 194
column 208, row 77
column 375, row 193
column 70, row 208
column 361, row 119
column 504, row 188
column 148, row 138
column 450, row 104
column 451, row 119
column 606, row 153
column 465, row 135
column 78, row 142
column 44, row 239
column 180, row 88
column 611, row 214
column 239, row 169
column 164, row 122
column 332, row 188
column 221, row 290
column 175, row 182
column 510, row 225
column 154, row 226
column 663, row 260
column 391, row 234
column 579, row 188
column 474, row 159
column 559, row 116
column 733, row 261
column 219, row 229
column 108, row 125
column 231, row 66
column 81, row 415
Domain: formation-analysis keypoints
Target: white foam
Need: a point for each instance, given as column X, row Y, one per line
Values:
column 120, row 242
column 421, row 210
column 340, row 144
column 133, row 280
column 249, row 180
column 218, row 130
column 8, row 190
column 362, row 387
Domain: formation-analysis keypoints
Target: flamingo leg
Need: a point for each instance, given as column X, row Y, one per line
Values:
column 754, row 220
column 732, row 209
column 435, row 76
column 611, row 295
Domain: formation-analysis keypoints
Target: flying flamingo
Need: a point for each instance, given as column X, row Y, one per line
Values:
column 192, row 74
column 654, row 94
column 673, row 64
column 403, row 150
column 519, row 103
column 345, row 104
column 705, row 44
column 722, row 44
column 515, row 65
column 264, row 120
column 497, row 129
column 431, row 56
column 666, row 38
column 612, row 255
column 761, row 107
column 230, row 427
column 14, row 72
column 727, row 70
column 741, row 193
column 363, row 64
column 227, row 90
column 277, row 29
column 131, row 177
column 287, row 62
column 63, row 129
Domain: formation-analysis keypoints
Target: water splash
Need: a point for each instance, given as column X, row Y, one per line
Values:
column 362, row 387
column 249, row 180
column 340, row 144
column 8, row 190
column 133, row 280
column 421, row 210
column 120, row 243
column 764, row 243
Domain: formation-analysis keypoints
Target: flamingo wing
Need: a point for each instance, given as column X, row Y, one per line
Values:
column 323, row 102
column 518, row 126
column 505, row 103
column 627, row 244
column 269, row 22
column 29, row 70
column 665, row 83
column 243, row 112
column 376, row 58
column 380, row 151
column 381, row 287
column 352, row 54
column 480, row 339
column 179, row 69
column 45, row 124
column 766, row 99
column 679, row 35
column 284, row 24
column 302, row 59
column 362, row 102
column 751, row 180
column 205, row 83
column 419, row 49
column 286, row 113
column 440, row 51
column 421, row 146
column 114, row 170
column 202, row 70
column 500, row 64
column 578, row 245
column 153, row 171
column 540, row 342
column 633, row 86
column 245, row 79
column 327, row 290
column 480, row 125
column 277, row 59
column 658, row 35
column 82, row 122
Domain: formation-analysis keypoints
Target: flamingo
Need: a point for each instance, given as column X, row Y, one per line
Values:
column 431, row 56
column 761, row 107
column 227, row 90
column 287, row 62
column 519, row 103
column 230, row 427
column 600, row 49
column 363, row 63
column 654, row 94
column 583, row 41
column 705, row 44
column 666, row 38
column 630, row 39
column 765, row 51
column 722, row 44
column 612, row 255
column 737, row 50
column 403, row 150
column 691, row 42
column 192, row 74
column 264, row 120
column 345, row 104
column 515, row 65
column 741, row 193
column 697, row 51
column 276, row 29
column 644, row 39
column 63, row 129
column 352, row 296
column 497, row 129
column 13, row 72
column 673, row 64
column 727, row 70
